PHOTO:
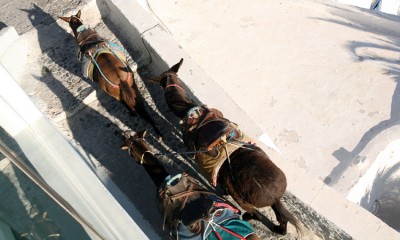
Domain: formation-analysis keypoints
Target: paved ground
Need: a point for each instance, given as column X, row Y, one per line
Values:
column 339, row 83
column 58, row 89
column 320, row 78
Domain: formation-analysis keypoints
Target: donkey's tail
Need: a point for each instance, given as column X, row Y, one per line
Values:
column 135, row 104
column 290, row 217
column 128, row 95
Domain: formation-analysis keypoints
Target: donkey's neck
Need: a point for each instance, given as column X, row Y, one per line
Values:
column 154, row 168
column 86, row 37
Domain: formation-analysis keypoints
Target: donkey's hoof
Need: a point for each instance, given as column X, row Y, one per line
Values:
column 280, row 230
column 248, row 216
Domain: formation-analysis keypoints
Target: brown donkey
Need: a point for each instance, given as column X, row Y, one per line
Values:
column 227, row 156
column 190, row 210
column 105, row 63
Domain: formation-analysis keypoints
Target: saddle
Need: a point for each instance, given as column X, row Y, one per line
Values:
column 207, row 131
column 183, row 199
column 204, row 128
column 91, row 46
column 187, row 207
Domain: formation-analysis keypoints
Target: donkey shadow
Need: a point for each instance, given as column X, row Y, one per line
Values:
column 95, row 127
column 60, row 49
column 100, row 139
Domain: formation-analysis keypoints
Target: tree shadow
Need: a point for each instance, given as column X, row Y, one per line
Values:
column 361, row 20
column 348, row 158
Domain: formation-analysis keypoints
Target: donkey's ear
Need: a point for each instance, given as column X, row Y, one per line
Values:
column 141, row 134
column 67, row 19
column 176, row 67
column 124, row 147
column 78, row 15
column 155, row 79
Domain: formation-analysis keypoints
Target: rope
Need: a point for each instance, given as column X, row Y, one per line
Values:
column 101, row 72
column 215, row 225
column 229, row 141
column 179, row 153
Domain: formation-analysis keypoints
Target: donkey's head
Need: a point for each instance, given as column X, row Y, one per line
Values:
column 168, row 77
column 136, row 145
column 74, row 21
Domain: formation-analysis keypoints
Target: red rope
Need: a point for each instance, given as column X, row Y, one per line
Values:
column 229, row 231
column 218, row 236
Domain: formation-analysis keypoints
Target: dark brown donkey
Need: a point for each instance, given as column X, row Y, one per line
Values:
column 249, row 175
column 189, row 203
column 105, row 63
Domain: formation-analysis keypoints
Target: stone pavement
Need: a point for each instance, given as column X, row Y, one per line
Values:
column 310, row 60
column 320, row 78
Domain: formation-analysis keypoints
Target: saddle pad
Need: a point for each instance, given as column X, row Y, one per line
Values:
column 210, row 165
column 87, row 64
column 239, row 227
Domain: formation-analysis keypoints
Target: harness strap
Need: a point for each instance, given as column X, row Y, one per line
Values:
column 188, row 193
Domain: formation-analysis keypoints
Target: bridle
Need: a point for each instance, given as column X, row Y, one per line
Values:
column 73, row 16
column 142, row 157
column 175, row 85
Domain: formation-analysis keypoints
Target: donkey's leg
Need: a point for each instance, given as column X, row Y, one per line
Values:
column 281, row 217
column 141, row 110
column 253, row 214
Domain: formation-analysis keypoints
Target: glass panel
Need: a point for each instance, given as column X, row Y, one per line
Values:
column 26, row 209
